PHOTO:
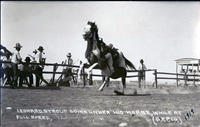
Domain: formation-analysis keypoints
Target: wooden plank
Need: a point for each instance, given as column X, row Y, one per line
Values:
column 166, row 73
column 138, row 70
column 178, row 78
column 131, row 76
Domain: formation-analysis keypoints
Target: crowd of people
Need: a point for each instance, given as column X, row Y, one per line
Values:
column 17, row 71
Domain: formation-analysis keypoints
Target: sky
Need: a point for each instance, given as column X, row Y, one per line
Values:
column 158, row 32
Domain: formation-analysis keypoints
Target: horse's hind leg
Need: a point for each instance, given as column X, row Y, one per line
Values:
column 108, row 83
column 123, row 83
column 103, row 85
column 103, row 78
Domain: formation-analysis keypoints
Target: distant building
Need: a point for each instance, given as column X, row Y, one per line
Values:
column 187, row 65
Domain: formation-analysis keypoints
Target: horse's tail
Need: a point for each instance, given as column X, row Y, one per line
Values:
column 129, row 63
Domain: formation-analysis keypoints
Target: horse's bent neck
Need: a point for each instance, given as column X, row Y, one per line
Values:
column 94, row 40
column 92, row 46
column 89, row 48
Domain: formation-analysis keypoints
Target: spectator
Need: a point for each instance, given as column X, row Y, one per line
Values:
column 40, row 59
column 16, row 60
column 26, row 72
column 141, row 73
column 8, row 70
column 68, row 75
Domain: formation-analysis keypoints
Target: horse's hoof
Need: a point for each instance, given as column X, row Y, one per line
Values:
column 100, row 89
column 118, row 93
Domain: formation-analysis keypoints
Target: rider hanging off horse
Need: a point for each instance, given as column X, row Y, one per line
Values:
column 110, row 60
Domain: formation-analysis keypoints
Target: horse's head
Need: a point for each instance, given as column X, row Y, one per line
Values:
column 87, row 33
column 91, row 36
column 90, row 30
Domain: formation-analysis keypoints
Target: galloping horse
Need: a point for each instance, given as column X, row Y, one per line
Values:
column 106, row 61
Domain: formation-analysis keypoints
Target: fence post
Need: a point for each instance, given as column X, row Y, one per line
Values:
column 176, row 79
column 91, row 80
column 194, row 78
column 156, row 82
column 54, row 70
column 185, row 79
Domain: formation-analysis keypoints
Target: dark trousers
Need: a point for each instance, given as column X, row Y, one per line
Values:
column 9, row 74
column 23, row 76
column 141, row 77
column 38, row 75
column 16, row 73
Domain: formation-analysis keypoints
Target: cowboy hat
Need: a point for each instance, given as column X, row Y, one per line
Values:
column 40, row 48
column 35, row 51
column 69, row 54
column 28, row 59
column 141, row 61
column 17, row 45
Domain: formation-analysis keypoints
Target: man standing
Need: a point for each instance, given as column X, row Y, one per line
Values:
column 141, row 73
column 69, row 59
column 41, row 60
column 16, row 60
column 8, row 69
column 67, row 72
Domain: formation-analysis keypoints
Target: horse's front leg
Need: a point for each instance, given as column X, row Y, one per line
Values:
column 104, row 84
column 89, row 70
column 92, row 66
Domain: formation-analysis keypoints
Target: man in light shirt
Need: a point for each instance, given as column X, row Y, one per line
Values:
column 68, row 76
column 16, row 60
column 141, row 73
column 40, row 59
column 8, row 69
column 69, row 59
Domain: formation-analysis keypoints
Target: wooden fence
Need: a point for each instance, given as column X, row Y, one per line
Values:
column 185, row 77
column 178, row 77
column 56, row 65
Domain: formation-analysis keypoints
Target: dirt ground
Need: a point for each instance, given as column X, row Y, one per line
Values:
column 87, row 107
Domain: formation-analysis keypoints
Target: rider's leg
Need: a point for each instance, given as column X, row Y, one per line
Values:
column 109, row 58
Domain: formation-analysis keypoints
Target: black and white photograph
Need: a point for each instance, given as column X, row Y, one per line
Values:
column 100, row 64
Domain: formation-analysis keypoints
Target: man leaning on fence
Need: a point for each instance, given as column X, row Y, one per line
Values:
column 41, row 60
column 68, row 76
column 26, row 72
column 141, row 73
